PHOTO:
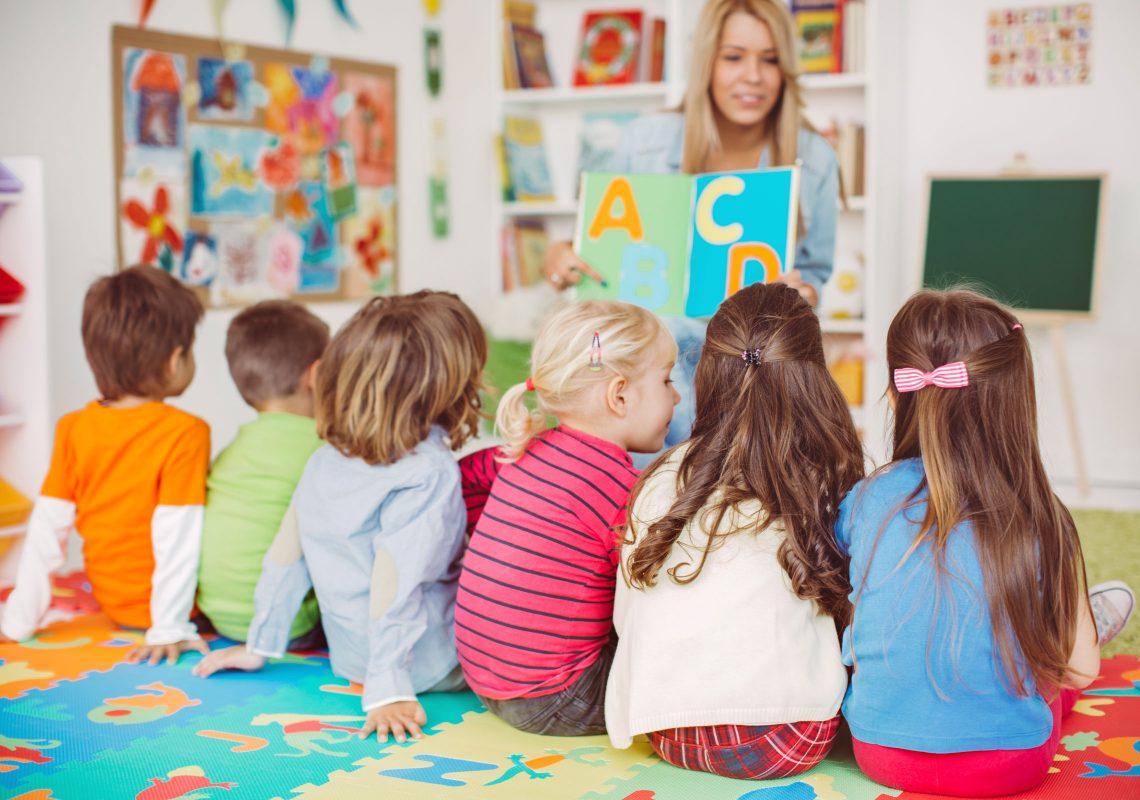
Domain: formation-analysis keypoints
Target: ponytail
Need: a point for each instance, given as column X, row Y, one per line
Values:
column 516, row 423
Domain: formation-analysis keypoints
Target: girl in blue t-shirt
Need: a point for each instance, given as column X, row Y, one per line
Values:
column 972, row 629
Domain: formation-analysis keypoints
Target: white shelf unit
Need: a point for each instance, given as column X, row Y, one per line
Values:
column 25, row 425
column 828, row 97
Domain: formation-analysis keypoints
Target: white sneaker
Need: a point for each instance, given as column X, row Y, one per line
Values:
column 1112, row 605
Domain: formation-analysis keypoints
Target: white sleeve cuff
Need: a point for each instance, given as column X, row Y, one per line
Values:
column 388, row 701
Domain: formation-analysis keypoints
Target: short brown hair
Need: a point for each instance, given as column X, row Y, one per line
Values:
column 399, row 366
column 132, row 323
column 270, row 345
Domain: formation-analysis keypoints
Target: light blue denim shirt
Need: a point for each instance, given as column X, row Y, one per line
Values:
column 381, row 545
column 653, row 144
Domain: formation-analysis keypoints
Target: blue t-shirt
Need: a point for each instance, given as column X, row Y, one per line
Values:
column 928, row 676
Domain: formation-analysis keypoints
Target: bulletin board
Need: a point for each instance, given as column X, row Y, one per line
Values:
column 1029, row 240
column 270, row 173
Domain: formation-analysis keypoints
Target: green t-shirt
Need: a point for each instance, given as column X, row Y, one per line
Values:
column 248, row 491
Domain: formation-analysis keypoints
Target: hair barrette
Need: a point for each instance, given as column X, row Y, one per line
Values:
column 596, row 352
column 530, row 384
column 751, row 357
column 948, row 376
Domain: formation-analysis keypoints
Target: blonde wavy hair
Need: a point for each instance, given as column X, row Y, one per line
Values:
column 398, row 366
column 560, row 364
column 701, row 138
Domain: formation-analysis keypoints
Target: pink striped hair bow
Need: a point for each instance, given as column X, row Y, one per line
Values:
column 948, row 376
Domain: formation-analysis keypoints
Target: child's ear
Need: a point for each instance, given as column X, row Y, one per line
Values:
column 616, row 396
column 309, row 377
column 172, row 362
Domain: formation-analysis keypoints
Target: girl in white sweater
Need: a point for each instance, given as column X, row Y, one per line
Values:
column 728, row 656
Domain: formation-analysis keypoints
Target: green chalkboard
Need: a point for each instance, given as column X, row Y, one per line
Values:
column 1029, row 242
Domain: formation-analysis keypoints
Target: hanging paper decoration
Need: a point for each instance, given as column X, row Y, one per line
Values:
column 144, row 11
column 437, row 180
column 432, row 7
column 290, row 9
column 433, row 61
column 218, row 7
column 343, row 10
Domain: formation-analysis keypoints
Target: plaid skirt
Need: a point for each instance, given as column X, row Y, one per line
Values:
column 752, row 752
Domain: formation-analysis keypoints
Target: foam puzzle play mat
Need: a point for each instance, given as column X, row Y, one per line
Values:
column 79, row 722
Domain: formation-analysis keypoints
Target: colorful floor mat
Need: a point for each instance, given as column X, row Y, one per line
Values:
column 79, row 723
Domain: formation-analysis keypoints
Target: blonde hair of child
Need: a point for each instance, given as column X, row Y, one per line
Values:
column 398, row 366
column 561, row 370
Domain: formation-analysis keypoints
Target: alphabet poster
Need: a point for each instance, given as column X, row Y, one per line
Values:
column 1039, row 45
column 681, row 244
column 271, row 173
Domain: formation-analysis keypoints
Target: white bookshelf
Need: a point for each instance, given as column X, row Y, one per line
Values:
column 25, row 424
column 842, row 97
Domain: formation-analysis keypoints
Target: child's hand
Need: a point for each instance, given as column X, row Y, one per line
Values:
column 236, row 657
column 407, row 715
column 154, row 653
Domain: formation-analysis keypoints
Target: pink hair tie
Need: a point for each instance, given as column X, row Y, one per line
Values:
column 530, row 384
column 1017, row 326
column 948, row 376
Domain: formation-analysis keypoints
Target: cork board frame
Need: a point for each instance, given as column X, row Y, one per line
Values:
column 270, row 173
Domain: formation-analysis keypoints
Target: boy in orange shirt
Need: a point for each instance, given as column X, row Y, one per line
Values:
column 128, row 472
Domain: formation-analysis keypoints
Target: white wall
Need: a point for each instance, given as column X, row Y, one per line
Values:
column 55, row 102
column 954, row 122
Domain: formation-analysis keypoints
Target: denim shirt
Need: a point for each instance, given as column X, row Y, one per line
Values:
column 381, row 545
column 652, row 144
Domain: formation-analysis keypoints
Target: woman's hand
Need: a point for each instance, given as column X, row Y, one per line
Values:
column 563, row 267
column 237, row 657
column 794, row 279
column 406, row 715
column 154, row 653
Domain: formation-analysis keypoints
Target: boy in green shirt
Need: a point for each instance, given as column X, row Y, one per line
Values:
column 273, row 349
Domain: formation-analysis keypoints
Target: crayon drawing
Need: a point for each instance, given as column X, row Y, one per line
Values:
column 154, row 121
column 225, row 88
column 369, row 242
column 152, row 221
column 370, row 128
column 223, row 166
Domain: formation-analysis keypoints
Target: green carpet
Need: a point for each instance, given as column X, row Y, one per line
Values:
column 1111, row 543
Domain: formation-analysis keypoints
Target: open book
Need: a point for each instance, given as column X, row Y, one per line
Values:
column 680, row 244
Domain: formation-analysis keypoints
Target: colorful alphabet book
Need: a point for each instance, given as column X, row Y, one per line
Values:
column 680, row 244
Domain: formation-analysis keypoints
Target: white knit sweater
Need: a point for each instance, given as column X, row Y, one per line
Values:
column 734, row 647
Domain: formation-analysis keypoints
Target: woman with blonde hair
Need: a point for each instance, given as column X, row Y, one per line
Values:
column 533, row 617
column 742, row 110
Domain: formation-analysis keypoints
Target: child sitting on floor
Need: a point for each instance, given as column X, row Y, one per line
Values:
column 273, row 349
column 533, row 614
column 971, row 631
column 728, row 655
column 377, row 521
column 128, row 472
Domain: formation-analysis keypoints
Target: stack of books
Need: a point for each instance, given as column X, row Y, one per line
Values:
column 832, row 35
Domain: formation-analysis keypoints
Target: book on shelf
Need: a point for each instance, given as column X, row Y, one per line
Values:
column 599, row 138
column 520, row 13
column 524, row 244
column 817, row 26
column 850, row 142
column 507, row 191
column 680, row 244
column 609, row 47
column 531, row 65
column 653, row 51
column 526, row 160
column 853, row 33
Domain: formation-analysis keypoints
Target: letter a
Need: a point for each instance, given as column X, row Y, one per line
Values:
column 605, row 218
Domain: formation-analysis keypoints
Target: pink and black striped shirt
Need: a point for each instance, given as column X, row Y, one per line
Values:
column 536, row 595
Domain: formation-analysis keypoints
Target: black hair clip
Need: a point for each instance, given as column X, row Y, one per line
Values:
column 751, row 357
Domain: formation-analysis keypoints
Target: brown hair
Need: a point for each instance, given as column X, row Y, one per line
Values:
column 701, row 138
column 132, row 323
column 978, row 446
column 270, row 345
column 777, row 431
column 398, row 366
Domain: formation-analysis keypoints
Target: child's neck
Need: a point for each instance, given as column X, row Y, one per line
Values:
column 299, row 404
column 599, row 428
column 129, row 401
